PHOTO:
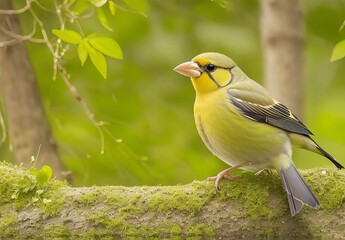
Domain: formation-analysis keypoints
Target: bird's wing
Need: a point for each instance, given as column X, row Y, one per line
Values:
column 259, row 106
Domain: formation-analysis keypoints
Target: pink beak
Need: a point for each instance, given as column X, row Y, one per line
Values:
column 189, row 69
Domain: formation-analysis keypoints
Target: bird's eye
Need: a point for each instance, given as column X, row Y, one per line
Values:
column 210, row 67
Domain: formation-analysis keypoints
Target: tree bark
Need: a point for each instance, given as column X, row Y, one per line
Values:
column 27, row 125
column 282, row 33
column 253, row 207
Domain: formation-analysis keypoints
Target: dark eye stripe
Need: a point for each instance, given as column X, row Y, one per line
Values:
column 212, row 78
column 215, row 81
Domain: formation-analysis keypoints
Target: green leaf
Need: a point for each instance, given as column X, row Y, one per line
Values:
column 112, row 7
column 68, row 36
column 94, row 35
column 98, row 3
column 80, row 6
column 107, row 46
column 141, row 6
column 338, row 51
column 98, row 60
column 83, row 51
column 43, row 176
column 103, row 19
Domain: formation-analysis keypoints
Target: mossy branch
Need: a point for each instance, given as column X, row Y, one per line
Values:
column 252, row 207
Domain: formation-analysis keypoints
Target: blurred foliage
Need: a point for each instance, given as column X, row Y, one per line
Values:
column 148, row 108
column 338, row 51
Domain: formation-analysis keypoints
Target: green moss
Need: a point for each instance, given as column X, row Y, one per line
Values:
column 101, row 218
column 184, row 201
column 181, row 200
column 252, row 193
column 107, row 238
column 92, row 233
column 129, row 210
column 124, row 229
column 175, row 230
column 6, row 220
column 119, row 226
column 114, row 200
column 89, row 198
column 20, row 188
column 108, row 222
column 125, row 205
column 16, row 185
column 201, row 230
column 50, row 199
column 328, row 185
column 143, row 231
column 134, row 206
column 269, row 233
column 56, row 231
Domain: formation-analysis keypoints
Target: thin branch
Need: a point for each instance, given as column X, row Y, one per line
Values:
column 43, row 31
column 9, row 42
column 3, row 128
column 59, row 15
column 18, row 38
column 43, row 7
column 17, row 11
column 58, row 42
column 77, row 96
column 79, row 27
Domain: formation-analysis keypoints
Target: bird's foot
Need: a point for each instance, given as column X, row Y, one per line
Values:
column 221, row 175
column 226, row 175
column 266, row 170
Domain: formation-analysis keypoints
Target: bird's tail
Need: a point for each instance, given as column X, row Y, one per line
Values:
column 297, row 190
column 308, row 143
column 329, row 156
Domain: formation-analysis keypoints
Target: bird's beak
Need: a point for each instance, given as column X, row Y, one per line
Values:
column 189, row 69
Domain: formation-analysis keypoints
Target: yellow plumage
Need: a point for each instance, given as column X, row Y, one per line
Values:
column 245, row 127
column 219, row 125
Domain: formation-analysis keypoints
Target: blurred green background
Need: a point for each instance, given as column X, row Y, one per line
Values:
column 148, row 107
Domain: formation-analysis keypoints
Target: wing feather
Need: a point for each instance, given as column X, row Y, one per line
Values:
column 274, row 114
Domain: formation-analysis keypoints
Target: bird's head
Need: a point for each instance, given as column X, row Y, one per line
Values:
column 208, row 71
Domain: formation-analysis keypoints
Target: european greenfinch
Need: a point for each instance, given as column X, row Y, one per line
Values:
column 241, row 124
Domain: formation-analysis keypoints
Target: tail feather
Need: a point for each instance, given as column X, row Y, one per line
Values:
column 297, row 190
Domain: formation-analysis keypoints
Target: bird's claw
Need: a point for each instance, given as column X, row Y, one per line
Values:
column 266, row 170
column 226, row 175
column 220, row 176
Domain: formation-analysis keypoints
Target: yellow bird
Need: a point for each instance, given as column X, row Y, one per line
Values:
column 241, row 124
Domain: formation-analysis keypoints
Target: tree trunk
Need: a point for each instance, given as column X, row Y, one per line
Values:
column 253, row 207
column 282, row 39
column 27, row 125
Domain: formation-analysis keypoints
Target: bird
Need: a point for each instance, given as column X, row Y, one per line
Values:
column 243, row 125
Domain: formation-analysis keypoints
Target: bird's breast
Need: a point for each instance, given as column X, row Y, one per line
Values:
column 234, row 138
